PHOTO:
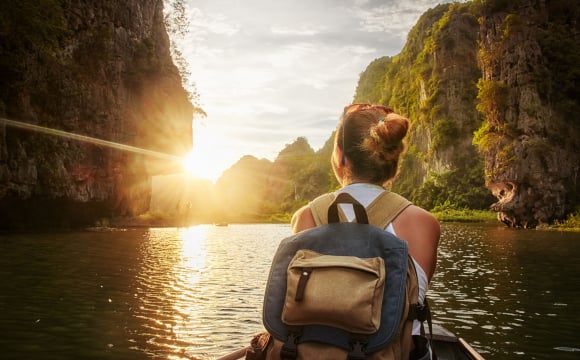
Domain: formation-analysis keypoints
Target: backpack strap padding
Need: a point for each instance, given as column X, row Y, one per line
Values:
column 385, row 208
column 319, row 208
column 380, row 212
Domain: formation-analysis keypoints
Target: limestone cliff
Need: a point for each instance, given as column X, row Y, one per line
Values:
column 95, row 68
column 507, row 71
column 530, row 54
column 433, row 82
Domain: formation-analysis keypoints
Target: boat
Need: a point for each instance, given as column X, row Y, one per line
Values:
column 448, row 346
column 445, row 344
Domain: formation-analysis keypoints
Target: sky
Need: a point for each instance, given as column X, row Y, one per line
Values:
column 268, row 72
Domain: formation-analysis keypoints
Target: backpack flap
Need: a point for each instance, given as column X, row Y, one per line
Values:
column 340, row 239
column 339, row 291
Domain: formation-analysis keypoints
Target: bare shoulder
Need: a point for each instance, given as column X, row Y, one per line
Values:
column 421, row 230
column 302, row 219
column 414, row 215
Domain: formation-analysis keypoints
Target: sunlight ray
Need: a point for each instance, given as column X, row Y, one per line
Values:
column 89, row 139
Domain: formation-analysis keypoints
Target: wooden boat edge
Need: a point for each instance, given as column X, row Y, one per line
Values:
column 469, row 349
column 440, row 335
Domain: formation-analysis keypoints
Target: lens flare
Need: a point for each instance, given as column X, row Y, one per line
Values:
column 88, row 139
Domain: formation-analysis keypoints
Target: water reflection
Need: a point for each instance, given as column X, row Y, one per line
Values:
column 193, row 252
column 196, row 293
column 508, row 291
column 200, row 286
column 171, row 301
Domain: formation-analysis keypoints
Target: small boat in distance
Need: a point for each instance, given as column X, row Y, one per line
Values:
column 446, row 346
column 221, row 224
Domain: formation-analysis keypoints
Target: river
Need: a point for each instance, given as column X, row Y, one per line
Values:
column 196, row 293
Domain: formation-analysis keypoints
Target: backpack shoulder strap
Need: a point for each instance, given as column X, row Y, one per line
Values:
column 385, row 208
column 319, row 208
column 380, row 212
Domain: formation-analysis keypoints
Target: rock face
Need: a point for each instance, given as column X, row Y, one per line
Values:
column 100, row 69
column 500, row 75
column 529, row 60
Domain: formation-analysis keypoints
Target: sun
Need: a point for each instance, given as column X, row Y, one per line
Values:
column 189, row 163
column 211, row 153
column 199, row 165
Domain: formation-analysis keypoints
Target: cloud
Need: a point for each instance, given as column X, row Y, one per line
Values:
column 203, row 25
column 270, row 71
column 302, row 31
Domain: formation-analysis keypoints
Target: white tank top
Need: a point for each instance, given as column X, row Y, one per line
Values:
column 365, row 194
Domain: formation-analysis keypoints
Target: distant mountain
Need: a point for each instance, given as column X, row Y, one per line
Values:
column 255, row 189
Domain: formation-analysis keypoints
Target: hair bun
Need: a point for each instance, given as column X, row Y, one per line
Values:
column 393, row 130
column 385, row 138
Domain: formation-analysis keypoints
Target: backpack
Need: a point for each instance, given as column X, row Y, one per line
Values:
column 342, row 290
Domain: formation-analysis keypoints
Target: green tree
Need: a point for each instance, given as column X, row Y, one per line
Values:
column 178, row 23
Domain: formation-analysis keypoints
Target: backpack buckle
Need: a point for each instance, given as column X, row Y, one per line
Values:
column 289, row 350
column 423, row 311
column 358, row 344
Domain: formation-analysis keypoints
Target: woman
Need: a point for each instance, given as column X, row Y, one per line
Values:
column 367, row 146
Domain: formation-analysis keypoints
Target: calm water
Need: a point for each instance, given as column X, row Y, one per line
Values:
column 196, row 293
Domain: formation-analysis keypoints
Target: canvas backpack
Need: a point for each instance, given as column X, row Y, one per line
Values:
column 342, row 290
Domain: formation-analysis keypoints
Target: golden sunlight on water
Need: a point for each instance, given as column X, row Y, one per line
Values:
column 197, row 291
column 193, row 252
column 187, row 275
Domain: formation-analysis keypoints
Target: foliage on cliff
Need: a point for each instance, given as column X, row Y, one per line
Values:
column 432, row 82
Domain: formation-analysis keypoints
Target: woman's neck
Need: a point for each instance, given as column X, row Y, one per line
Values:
column 361, row 183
